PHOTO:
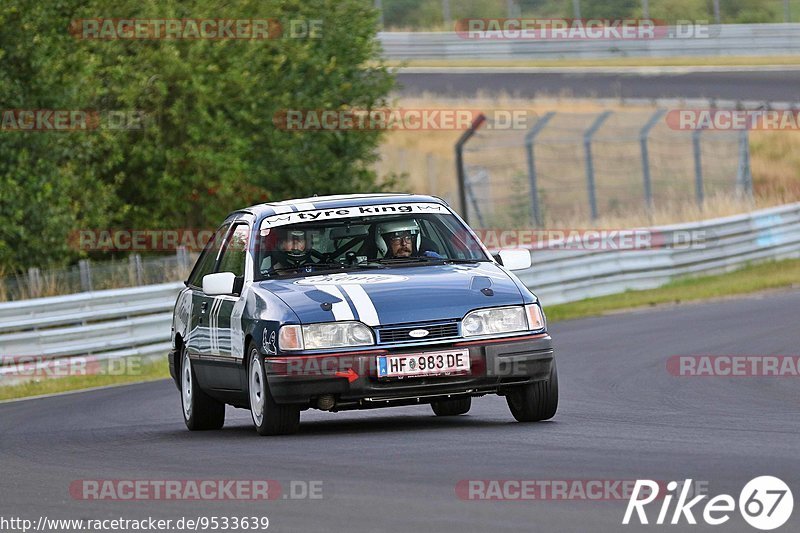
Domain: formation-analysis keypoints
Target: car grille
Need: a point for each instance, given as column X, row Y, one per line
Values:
column 437, row 330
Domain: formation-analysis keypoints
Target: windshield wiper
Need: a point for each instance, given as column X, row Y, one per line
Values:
column 314, row 267
column 403, row 260
column 425, row 259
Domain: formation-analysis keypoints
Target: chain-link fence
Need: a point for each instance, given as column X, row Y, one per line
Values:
column 132, row 271
column 582, row 167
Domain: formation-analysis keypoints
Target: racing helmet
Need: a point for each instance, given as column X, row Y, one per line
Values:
column 385, row 231
column 294, row 254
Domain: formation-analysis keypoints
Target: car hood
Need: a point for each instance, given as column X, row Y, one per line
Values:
column 397, row 295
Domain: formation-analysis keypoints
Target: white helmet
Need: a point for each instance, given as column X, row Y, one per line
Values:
column 395, row 228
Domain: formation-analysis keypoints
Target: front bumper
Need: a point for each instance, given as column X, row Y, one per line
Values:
column 351, row 378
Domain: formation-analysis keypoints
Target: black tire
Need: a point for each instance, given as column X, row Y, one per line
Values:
column 536, row 401
column 269, row 418
column 452, row 406
column 200, row 411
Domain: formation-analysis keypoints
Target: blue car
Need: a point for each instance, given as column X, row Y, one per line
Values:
column 356, row 302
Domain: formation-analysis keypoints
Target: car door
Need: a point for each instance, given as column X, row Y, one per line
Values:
column 221, row 315
column 198, row 340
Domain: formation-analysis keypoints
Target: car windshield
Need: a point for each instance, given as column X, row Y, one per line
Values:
column 361, row 238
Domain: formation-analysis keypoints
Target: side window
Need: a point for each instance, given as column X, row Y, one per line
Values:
column 205, row 264
column 434, row 237
column 234, row 251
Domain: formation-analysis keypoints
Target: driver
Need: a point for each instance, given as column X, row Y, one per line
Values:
column 292, row 250
column 400, row 238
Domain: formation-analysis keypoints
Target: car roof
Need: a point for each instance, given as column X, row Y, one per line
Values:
column 336, row 201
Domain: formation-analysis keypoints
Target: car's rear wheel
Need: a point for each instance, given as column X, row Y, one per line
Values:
column 270, row 418
column 536, row 401
column 200, row 411
column 452, row 406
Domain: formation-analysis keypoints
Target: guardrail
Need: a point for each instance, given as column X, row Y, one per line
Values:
column 115, row 324
column 723, row 40
column 559, row 276
column 50, row 336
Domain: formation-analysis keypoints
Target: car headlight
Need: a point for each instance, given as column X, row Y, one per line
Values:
column 325, row 335
column 503, row 320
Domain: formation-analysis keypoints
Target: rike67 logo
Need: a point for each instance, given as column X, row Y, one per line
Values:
column 765, row 503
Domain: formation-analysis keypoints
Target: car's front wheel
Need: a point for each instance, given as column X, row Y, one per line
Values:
column 270, row 418
column 200, row 411
column 452, row 406
column 536, row 401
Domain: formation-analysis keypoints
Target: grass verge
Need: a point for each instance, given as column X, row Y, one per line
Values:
column 145, row 372
column 750, row 279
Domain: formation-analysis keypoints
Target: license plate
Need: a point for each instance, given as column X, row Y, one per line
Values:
column 424, row 364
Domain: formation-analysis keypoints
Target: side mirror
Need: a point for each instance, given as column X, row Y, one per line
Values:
column 515, row 259
column 219, row 283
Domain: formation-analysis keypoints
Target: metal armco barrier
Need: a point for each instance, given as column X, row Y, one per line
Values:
column 92, row 326
column 559, row 276
column 723, row 40
column 136, row 322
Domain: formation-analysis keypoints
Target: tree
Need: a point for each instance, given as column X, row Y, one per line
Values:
column 207, row 143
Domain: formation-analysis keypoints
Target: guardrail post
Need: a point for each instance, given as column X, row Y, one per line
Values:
column 643, row 134
column 86, row 275
column 587, row 147
column 698, row 168
column 744, row 178
column 34, row 282
column 534, row 191
column 461, row 174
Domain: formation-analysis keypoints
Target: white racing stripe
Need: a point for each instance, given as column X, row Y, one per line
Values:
column 341, row 309
column 281, row 209
column 214, row 325
column 363, row 304
column 304, row 206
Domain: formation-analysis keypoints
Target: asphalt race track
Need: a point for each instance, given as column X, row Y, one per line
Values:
column 622, row 416
column 765, row 85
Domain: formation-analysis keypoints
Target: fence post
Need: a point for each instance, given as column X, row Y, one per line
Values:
column 461, row 174
column 698, row 168
column 34, row 282
column 135, row 262
column 744, row 177
column 534, row 191
column 183, row 258
column 643, row 134
column 86, row 275
column 587, row 147
column 431, row 173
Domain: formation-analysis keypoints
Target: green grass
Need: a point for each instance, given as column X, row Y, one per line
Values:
column 750, row 279
column 711, row 61
column 146, row 372
column 753, row 278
